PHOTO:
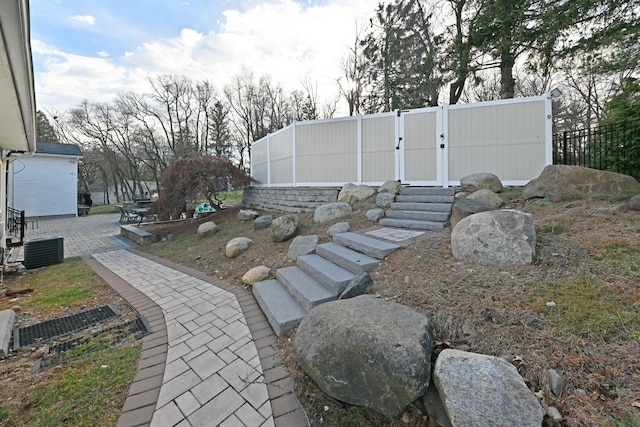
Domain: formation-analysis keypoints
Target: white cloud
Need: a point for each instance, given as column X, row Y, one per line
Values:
column 287, row 40
column 82, row 19
column 103, row 54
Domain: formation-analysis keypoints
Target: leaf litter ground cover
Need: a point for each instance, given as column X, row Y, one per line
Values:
column 576, row 309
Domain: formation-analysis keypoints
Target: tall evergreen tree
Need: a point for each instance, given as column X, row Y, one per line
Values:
column 44, row 131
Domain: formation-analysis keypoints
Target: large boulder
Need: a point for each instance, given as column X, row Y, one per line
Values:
column 351, row 193
column 256, row 274
column 479, row 181
column 302, row 245
column 367, row 351
column 247, row 215
column 631, row 205
column 262, row 222
column 207, row 229
column 374, row 214
column 487, row 197
column 392, row 187
column 562, row 182
column 284, row 228
column 385, row 198
column 237, row 246
column 501, row 238
column 462, row 208
column 479, row 390
column 331, row 211
column 337, row 228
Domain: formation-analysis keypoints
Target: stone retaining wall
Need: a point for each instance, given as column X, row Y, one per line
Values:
column 300, row 199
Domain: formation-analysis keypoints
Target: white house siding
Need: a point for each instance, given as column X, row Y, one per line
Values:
column 44, row 185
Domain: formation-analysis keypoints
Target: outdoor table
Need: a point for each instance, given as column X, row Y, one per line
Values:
column 141, row 212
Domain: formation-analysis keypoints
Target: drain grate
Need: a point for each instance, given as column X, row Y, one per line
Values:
column 98, row 341
column 54, row 328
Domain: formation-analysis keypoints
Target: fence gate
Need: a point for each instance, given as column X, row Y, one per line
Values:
column 420, row 147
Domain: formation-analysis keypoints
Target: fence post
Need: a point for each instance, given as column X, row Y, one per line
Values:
column 565, row 138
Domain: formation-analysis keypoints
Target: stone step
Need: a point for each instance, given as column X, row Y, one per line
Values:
column 425, row 199
column 418, row 215
column 332, row 276
column 277, row 304
column 431, row 207
column 373, row 247
column 427, row 191
column 306, row 290
column 346, row 258
column 412, row 224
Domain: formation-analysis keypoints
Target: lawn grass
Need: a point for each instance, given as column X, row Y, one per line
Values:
column 103, row 209
column 70, row 283
column 87, row 392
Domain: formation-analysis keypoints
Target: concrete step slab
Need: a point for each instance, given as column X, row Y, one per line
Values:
column 431, row 207
column 427, row 191
column 346, row 258
column 7, row 319
column 324, row 271
column 306, row 290
column 373, row 247
column 277, row 304
column 412, row 224
column 418, row 215
column 425, row 199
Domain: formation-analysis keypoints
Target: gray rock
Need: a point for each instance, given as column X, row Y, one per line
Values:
column 434, row 407
column 284, row 228
column 262, row 222
column 487, row 197
column 338, row 227
column 462, row 208
column 476, row 388
column 374, row 214
column 331, row 211
column 256, row 274
column 359, row 285
column 237, row 246
column 351, row 193
column 302, row 245
column 392, row 187
column 366, row 351
column 499, row 238
column 556, row 382
column 7, row 319
column 247, row 215
column 384, row 200
column 554, row 414
column 631, row 205
column 169, row 237
column 207, row 229
column 562, row 182
column 478, row 181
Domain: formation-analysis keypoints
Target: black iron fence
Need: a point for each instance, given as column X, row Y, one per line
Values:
column 15, row 227
column 613, row 147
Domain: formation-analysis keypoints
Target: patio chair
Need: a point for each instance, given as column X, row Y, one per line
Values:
column 126, row 216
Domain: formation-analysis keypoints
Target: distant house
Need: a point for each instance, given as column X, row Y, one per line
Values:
column 45, row 183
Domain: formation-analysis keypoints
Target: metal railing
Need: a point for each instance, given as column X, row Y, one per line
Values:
column 612, row 147
column 15, row 226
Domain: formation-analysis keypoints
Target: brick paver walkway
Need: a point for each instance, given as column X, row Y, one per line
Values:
column 210, row 359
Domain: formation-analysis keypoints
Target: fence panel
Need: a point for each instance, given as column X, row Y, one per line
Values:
column 507, row 139
column 281, row 157
column 612, row 147
column 378, row 148
column 326, row 152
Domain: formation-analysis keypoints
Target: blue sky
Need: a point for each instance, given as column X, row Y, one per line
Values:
column 94, row 49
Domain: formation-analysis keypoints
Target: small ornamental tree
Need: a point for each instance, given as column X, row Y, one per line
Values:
column 199, row 176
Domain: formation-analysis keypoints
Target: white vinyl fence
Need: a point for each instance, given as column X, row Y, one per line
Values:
column 433, row 146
